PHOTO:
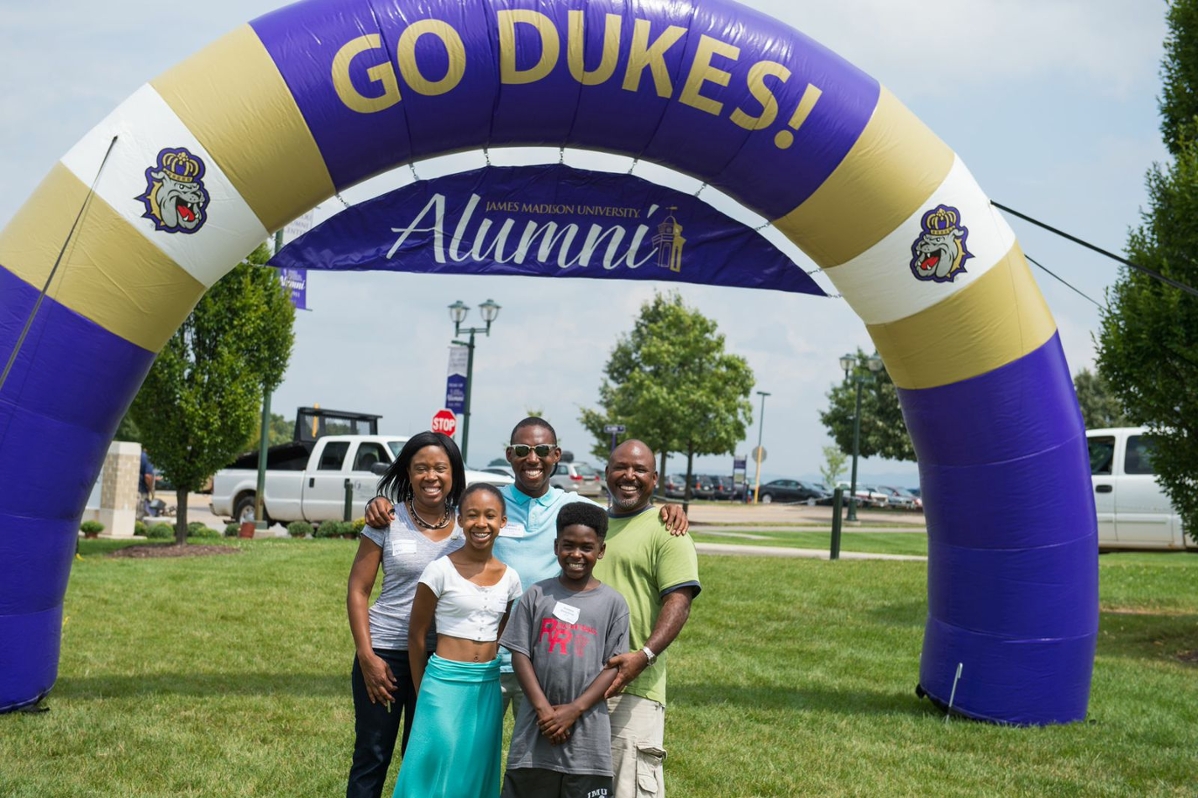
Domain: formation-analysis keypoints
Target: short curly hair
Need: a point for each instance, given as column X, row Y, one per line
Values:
column 585, row 514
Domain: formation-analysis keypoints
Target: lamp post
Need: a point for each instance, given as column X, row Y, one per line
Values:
column 854, row 364
column 264, row 439
column 457, row 314
column 760, row 433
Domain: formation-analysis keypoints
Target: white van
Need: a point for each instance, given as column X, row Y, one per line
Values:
column 1133, row 510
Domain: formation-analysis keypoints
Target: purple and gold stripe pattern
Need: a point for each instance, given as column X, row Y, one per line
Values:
column 205, row 161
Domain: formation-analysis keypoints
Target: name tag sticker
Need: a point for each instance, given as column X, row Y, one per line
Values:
column 513, row 530
column 400, row 548
column 566, row 612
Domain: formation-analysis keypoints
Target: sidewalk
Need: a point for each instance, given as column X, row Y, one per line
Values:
column 198, row 509
column 811, row 554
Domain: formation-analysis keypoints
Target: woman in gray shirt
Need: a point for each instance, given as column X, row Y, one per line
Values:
column 425, row 483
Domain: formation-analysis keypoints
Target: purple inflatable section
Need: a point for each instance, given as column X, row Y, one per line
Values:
column 1012, row 583
column 672, row 94
column 59, row 407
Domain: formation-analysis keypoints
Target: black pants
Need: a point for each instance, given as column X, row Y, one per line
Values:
column 375, row 728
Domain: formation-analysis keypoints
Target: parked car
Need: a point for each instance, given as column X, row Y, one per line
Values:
column 1133, row 510
column 866, row 495
column 702, row 486
column 725, row 488
column 305, row 480
column 791, row 491
column 673, row 486
column 900, row 499
column 577, row 478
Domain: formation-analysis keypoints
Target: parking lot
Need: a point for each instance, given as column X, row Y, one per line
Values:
column 705, row 513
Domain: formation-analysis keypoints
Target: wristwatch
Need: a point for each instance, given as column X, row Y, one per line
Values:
column 648, row 652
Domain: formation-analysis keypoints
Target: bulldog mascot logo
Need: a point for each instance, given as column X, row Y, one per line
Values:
column 939, row 254
column 175, row 198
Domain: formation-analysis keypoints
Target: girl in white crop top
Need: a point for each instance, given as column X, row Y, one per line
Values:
column 454, row 749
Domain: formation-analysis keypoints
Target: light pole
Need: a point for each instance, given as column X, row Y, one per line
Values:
column 760, row 433
column 457, row 314
column 264, row 440
column 854, row 363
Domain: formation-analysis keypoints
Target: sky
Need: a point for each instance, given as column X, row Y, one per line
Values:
column 1052, row 104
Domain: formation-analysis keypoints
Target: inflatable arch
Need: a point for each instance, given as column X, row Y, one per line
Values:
column 202, row 163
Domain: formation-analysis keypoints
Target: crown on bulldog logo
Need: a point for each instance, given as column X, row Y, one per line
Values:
column 181, row 166
column 940, row 221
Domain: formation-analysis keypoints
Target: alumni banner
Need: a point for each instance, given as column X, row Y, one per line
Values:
column 547, row 221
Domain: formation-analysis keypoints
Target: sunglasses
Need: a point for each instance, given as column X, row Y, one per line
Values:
column 542, row 449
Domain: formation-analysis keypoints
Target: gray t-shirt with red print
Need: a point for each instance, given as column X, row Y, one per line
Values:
column 569, row 637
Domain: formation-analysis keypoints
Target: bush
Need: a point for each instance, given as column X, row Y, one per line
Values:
column 160, row 532
column 197, row 529
column 299, row 529
column 359, row 524
column 232, row 530
column 139, row 528
column 335, row 529
column 91, row 527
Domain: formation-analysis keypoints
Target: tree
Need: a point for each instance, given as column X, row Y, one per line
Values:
column 883, row 430
column 201, row 401
column 279, row 430
column 1100, row 407
column 1148, row 341
column 127, row 430
column 671, row 384
column 834, row 460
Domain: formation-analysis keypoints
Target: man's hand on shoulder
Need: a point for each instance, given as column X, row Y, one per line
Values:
column 675, row 520
column 380, row 512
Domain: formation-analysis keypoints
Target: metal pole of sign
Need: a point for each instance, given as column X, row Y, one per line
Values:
column 837, row 502
column 264, row 443
column 349, row 499
column 469, row 389
column 760, row 433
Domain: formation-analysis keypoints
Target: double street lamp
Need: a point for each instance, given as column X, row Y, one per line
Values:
column 457, row 314
column 862, row 369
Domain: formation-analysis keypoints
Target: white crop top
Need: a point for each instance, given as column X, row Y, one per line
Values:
column 467, row 610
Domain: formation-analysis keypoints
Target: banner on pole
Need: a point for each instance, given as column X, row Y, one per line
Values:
column 547, row 221
column 295, row 280
column 455, row 383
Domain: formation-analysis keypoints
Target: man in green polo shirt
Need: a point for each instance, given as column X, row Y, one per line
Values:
column 658, row 575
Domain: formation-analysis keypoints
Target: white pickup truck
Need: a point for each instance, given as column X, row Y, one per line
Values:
column 1133, row 510
column 306, row 481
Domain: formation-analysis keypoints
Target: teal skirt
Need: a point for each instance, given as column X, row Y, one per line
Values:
column 454, row 750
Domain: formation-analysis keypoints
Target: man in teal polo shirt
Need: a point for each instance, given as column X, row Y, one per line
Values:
column 658, row 575
column 526, row 542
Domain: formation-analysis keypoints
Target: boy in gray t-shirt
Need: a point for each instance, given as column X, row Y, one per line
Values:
column 561, row 634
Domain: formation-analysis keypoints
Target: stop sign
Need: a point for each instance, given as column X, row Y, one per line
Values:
column 445, row 421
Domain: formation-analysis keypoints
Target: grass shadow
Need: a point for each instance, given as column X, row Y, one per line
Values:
column 1146, row 635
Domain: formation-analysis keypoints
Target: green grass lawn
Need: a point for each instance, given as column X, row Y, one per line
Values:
column 229, row 676
column 850, row 540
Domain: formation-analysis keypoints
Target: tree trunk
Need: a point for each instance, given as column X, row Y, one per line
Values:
column 661, row 476
column 690, row 475
column 180, row 517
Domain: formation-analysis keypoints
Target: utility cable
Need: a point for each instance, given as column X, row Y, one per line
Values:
column 1061, row 281
column 1142, row 269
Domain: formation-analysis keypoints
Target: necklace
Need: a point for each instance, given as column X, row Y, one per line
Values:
column 444, row 522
